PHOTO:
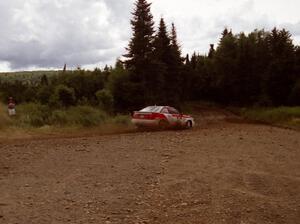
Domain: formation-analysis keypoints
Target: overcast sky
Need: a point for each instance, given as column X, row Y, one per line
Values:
column 45, row 34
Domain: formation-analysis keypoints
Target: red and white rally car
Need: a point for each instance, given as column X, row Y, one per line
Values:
column 162, row 117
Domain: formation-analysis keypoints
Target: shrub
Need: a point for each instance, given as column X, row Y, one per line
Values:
column 44, row 94
column 29, row 95
column 32, row 114
column 273, row 115
column 81, row 115
column 63, row 96
column 122, row 119
column 105, row 99
column 59, row 117
column 87, row 116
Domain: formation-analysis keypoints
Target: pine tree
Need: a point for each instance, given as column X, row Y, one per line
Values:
column 140, row 55
column 176, row 67
column 187, row 59
column 280, row 79
column 140, row 47
column 168, row 54
column 226, row 67
column 44, row 80
column 175, row 47
column 162, row 47
column 211, row 51
column 194, row 61
column 65, row 68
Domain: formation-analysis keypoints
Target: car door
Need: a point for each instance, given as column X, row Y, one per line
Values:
column 174, row 116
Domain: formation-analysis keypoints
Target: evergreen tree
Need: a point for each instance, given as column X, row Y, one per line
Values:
column 187, row 59
column 297, row 62
column 141, row 44
column 44, row 80
column 162, row 55
column 175, row 47
column 177, row 75
column 167, row 53
column 194, row 61
column 162, row 45
column 211, row 51
column 280, row 79
column 246, row 86
column 140, row 62
column 65, row 68
column 226, row 67
column 225, row 33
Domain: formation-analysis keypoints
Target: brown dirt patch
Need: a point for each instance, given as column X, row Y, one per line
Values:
column 219, row 172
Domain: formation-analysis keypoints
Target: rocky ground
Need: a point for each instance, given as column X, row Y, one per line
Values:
column 222, row 171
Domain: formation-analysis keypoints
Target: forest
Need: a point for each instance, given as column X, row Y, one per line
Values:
column 260, row 69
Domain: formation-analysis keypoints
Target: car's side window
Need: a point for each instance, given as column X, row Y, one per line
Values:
column 173, row 110
column 165, row 111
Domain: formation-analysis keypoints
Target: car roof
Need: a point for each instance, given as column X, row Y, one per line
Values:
column 152, row 109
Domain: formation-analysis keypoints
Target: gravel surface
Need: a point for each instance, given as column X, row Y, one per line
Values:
column 222, row 171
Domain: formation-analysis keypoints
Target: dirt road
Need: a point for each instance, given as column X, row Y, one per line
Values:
column 223, row 171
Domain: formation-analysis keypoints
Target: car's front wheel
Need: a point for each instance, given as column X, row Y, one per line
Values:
column 188, row 124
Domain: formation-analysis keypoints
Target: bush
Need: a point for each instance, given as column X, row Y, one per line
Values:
column 273, row 115
column 87, row 116
column 32, row 114
column 81, row 115
column 105, row 99
column 63, row 96
column 59, row 117
column 122, row 119
column 44, row 94
column 29, row 95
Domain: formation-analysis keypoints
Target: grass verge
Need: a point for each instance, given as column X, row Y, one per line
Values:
column 36, row 120
column 282, row 116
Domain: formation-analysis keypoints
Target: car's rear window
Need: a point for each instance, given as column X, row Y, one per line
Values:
column 155, row 109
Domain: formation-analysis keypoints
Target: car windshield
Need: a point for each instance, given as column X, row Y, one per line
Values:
column 155, row 109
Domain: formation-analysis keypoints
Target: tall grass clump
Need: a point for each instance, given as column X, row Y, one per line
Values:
column 122, row 120
column 32, row 115
column 85, row 116
column 279, row 115
column 5, row 120
column 38, row 115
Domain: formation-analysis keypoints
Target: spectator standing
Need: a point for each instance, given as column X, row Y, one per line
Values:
column 11, row 107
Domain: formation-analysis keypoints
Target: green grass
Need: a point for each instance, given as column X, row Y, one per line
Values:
column 35, row 120
column 35, row 115
column 5, row 120
column 286, row 116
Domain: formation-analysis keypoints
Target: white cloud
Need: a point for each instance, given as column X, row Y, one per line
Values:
column 49, row 33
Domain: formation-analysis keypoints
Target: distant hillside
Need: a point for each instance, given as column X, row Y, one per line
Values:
column 26, row 76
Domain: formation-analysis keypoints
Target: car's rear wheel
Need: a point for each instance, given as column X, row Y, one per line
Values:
column 189, row 124
column 163, row 124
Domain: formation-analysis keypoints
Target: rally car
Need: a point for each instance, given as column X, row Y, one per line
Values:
column 161, row 117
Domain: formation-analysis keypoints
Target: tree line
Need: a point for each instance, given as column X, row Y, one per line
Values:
column 261, row 68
